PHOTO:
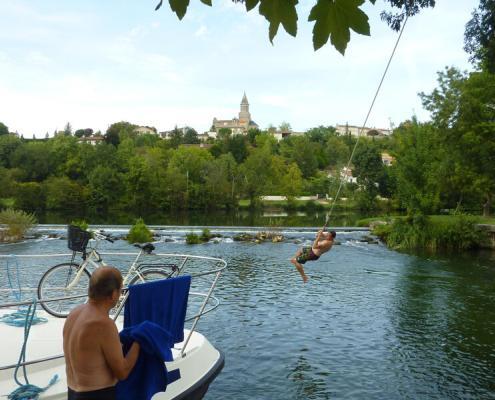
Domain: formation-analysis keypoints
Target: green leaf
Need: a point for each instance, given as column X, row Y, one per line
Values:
column 159, row 5
column 179, row 7
column 280, row 12
column 334, row 19
column 207, row 2
column 250, row 4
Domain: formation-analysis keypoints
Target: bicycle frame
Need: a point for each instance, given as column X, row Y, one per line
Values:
column 95, row 260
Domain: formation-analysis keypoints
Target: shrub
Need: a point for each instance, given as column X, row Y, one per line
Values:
column 139, row 233
column 18, row 222
column 206, row 235
column 421, row 232
column 80, row 223
column 192, row 238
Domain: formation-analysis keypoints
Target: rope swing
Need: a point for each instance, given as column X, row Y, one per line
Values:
column 365, row 122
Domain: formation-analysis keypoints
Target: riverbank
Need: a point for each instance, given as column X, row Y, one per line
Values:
column 434, row 232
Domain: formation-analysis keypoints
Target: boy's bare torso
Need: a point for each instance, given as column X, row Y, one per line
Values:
column 324, row 245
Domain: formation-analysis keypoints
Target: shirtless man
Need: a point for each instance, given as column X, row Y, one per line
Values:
column 322, row 244
column 93, row 353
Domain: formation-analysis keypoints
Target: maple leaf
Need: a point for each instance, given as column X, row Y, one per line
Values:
column 179, row 7
column 279, row 12
column 334, row 19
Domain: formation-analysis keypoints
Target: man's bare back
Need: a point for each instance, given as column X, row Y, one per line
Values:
column 93, row 352
column 86, row 366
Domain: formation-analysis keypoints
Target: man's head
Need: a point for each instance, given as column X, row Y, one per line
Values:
column 105, row 284
column 330, row 235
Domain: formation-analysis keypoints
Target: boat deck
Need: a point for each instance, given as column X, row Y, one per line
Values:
column 45, row 341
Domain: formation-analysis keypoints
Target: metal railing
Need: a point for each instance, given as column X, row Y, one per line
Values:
column 209, row 302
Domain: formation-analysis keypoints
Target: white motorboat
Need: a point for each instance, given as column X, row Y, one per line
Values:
column 196, row 359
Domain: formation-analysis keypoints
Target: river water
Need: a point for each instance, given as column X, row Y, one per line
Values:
column 371, row 323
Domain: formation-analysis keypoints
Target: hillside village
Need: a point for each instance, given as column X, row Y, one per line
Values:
column 239, row 125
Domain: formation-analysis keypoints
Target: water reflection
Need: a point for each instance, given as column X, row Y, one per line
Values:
column 310, row 383
column 444, row 317
column 272, row 217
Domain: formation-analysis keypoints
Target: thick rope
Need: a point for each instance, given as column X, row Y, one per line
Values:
column 18, row 318
column 27, row 391
column 365, row 122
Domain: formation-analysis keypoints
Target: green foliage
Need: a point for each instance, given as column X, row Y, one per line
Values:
column 18, row 222
column 421, row 232
column 63, row 194
column 29, row 196
column 337, row 151
column 478, row 37
column 334, row 19
column 206, row 235
column 3, row 129
column 83, row 132
column 80, row 223
column 8, row 145
column 368, row 169
column 68, row 129
column 192, row 238
column 36, row 159
column 462, row 109
column 191, row 136
column 118, row 132
column 417, row 168
column 279, row 12
column 139, row 233
column 291, row 182
column 301, row 150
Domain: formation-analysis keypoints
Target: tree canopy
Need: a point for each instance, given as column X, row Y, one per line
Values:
column 479, row 36
column 3, row 129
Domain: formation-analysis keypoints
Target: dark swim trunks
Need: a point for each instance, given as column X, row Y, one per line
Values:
column 307, row 255
column 100, row 394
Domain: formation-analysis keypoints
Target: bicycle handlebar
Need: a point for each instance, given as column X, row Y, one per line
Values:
column 104, row 236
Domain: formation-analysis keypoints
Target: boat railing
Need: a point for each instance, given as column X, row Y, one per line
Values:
column 208, row 302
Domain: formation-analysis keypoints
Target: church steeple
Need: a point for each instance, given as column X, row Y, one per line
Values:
column 244, row 115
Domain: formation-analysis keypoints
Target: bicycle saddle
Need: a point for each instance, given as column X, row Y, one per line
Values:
column 147, row 247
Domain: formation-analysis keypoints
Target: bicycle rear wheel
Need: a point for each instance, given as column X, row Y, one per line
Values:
column 53, row 284
column 150, row 274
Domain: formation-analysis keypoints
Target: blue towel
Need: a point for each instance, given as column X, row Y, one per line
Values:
column 149, row 375
column 163, row 302
column 154, row 316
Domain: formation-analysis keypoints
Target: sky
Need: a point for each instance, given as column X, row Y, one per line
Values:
column 92, row 63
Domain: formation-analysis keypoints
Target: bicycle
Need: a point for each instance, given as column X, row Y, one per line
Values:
column 72, row 279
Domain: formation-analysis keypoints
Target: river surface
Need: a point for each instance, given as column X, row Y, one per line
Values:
column 371, row 323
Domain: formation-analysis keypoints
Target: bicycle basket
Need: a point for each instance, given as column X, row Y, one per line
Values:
column 78, row 239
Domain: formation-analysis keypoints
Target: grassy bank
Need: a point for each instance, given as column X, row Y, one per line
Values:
column 437, row 232
column 435, row 218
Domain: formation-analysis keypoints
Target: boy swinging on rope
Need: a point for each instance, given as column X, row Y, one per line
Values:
column 322, row 244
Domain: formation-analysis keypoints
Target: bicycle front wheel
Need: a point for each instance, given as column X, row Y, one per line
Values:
column 55, row 284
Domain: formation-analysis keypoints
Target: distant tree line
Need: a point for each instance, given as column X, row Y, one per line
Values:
column 139, row 172
column 445, row 163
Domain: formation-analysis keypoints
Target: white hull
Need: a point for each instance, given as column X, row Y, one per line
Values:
column 199, row 366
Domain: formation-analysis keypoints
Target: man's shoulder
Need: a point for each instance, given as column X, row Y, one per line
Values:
column 90, row 320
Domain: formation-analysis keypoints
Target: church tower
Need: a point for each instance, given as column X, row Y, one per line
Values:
column 244, row 115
